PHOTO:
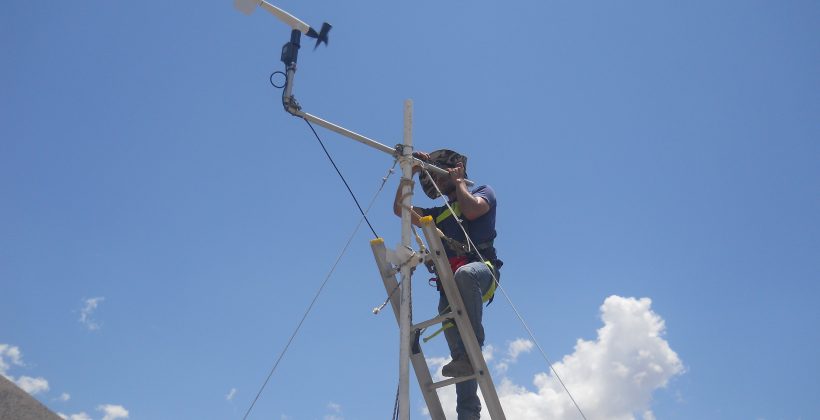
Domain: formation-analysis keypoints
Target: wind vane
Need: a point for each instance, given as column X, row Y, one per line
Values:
column 248, row 6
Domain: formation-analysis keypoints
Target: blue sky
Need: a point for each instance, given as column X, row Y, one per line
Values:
column 639, row 149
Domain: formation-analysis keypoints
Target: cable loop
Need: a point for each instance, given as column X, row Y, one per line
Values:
column 274, row 84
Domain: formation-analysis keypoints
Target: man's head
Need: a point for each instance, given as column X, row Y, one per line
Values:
column 443, row 159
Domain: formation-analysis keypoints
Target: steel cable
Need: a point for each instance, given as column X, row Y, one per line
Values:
column 504, row 292
column 318, row 292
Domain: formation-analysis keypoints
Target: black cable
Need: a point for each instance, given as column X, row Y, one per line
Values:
column 396, row 405
column 343, row 178
column 313, row 302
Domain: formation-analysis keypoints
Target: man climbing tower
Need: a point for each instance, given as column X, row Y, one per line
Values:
column 474, row 278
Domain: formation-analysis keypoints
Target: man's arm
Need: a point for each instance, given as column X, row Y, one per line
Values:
column 397, row 205
column 472, row 207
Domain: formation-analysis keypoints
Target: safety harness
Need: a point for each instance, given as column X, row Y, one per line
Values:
column 463, row 254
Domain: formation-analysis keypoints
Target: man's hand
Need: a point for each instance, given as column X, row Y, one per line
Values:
column 472, row 207
column 456, row 174
column 421, row 156
column 418, row 154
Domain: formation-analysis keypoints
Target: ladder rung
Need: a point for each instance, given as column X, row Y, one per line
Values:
column 452, row 381
column 437, row 320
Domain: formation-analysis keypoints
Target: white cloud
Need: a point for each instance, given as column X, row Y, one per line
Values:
column 110, row 412
column 32, row 385
column 336, row 412
column 514, row 349
column 113, row 412
column 9, row 355
column 87, row 311
column 519, row 347
column 12, row 356
column 78, row 416
column 612, row 377
column 488, row 352
column 231, row 394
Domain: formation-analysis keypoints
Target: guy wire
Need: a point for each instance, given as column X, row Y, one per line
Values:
column 318, row 292
column 504, row 292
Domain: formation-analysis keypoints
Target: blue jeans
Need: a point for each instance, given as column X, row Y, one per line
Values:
column 473, row 280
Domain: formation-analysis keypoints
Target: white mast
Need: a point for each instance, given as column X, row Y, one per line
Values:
column 405, row 314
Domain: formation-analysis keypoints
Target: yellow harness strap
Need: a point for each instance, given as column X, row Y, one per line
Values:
column 491, row 290
column 449, row 324
column 446, row 213
column 485, row 298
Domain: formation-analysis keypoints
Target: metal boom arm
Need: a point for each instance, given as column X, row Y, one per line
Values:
column 290, row 52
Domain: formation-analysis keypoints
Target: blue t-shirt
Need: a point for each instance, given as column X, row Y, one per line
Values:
column 481, row 230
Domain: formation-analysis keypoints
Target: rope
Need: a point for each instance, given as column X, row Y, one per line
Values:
column 504, row 292
column 343, row 178
column 332, row 269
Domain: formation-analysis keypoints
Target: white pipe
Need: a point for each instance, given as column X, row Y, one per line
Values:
column 347, row 133
column 370, row 142
column 405, row 318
